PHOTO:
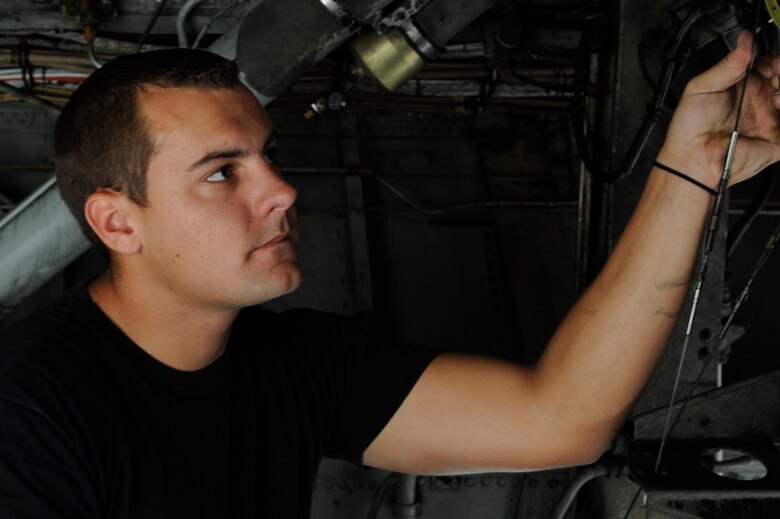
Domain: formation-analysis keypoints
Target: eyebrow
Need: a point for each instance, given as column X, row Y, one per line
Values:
column 218, row 155
column 230, row 153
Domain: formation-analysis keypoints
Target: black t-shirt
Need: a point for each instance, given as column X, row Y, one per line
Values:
column 93, row 427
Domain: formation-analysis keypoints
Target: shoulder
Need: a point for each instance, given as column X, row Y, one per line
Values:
column 50, row 350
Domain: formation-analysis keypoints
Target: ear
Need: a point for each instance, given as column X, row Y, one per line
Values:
column 111, row 216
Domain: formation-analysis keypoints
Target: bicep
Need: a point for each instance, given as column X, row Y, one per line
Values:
column 468, row 414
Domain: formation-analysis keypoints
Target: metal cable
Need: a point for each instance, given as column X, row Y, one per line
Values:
column 151, row 24
column 709, row 238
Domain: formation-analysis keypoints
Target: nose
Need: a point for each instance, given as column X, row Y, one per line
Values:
column 271, row 192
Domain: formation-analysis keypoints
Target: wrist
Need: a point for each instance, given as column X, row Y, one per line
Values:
column 687, row 178
column 692, row 166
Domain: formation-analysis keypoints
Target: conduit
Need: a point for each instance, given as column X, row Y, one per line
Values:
column 37, row 240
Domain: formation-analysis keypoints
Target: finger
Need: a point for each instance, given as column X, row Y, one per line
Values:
column 728, row 71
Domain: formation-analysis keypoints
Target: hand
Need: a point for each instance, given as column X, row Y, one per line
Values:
column 700, row 130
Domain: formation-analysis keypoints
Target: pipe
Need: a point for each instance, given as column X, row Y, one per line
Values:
column 37, row 240
column 406, row 505
column 588, row 474
column 181, row 18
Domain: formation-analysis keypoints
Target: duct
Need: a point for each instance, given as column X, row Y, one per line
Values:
column 280, row 39
column 37, row 240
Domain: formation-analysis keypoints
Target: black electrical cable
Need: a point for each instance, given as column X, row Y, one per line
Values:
column 151, row 24
column 642, row 60
column 653, row 113
column 747, row 218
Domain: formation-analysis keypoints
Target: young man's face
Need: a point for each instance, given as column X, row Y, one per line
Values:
column 219, row 228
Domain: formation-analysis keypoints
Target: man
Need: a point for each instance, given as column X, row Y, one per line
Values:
column 160, row 390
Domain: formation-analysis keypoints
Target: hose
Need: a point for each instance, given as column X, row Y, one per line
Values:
column 181, row 18
column 588, row 474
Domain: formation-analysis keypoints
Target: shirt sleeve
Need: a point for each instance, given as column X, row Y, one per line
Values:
column 378, row 375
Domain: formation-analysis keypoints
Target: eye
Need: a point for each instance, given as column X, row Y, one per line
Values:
column 220, row 175
column 269, row 154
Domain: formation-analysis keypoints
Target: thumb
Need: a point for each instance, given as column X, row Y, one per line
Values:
column 728, row 71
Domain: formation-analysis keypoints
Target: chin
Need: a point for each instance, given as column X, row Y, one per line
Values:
column 293, row 280
column 284, row 281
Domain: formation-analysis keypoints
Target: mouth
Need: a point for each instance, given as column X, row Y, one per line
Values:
column 279, row 238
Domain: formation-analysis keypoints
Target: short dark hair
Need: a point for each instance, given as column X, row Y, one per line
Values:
column 101, row 140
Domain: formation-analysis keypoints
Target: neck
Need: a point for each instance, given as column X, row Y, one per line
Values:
column 181, row 336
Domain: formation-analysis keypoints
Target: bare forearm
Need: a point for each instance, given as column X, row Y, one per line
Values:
column 605, row 350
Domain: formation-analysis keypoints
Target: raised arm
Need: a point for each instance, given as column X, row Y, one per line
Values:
column 472, row 414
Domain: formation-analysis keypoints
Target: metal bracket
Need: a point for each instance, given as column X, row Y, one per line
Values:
column 402, row 14
column 344, row 17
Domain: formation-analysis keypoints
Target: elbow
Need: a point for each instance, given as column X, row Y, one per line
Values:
column 592, row 453
column 588, row 448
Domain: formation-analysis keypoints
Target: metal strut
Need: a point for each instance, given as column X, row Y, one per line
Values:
column 743, row 295
column 709, row 238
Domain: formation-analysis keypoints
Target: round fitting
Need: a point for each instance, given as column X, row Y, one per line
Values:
column 387, row 58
